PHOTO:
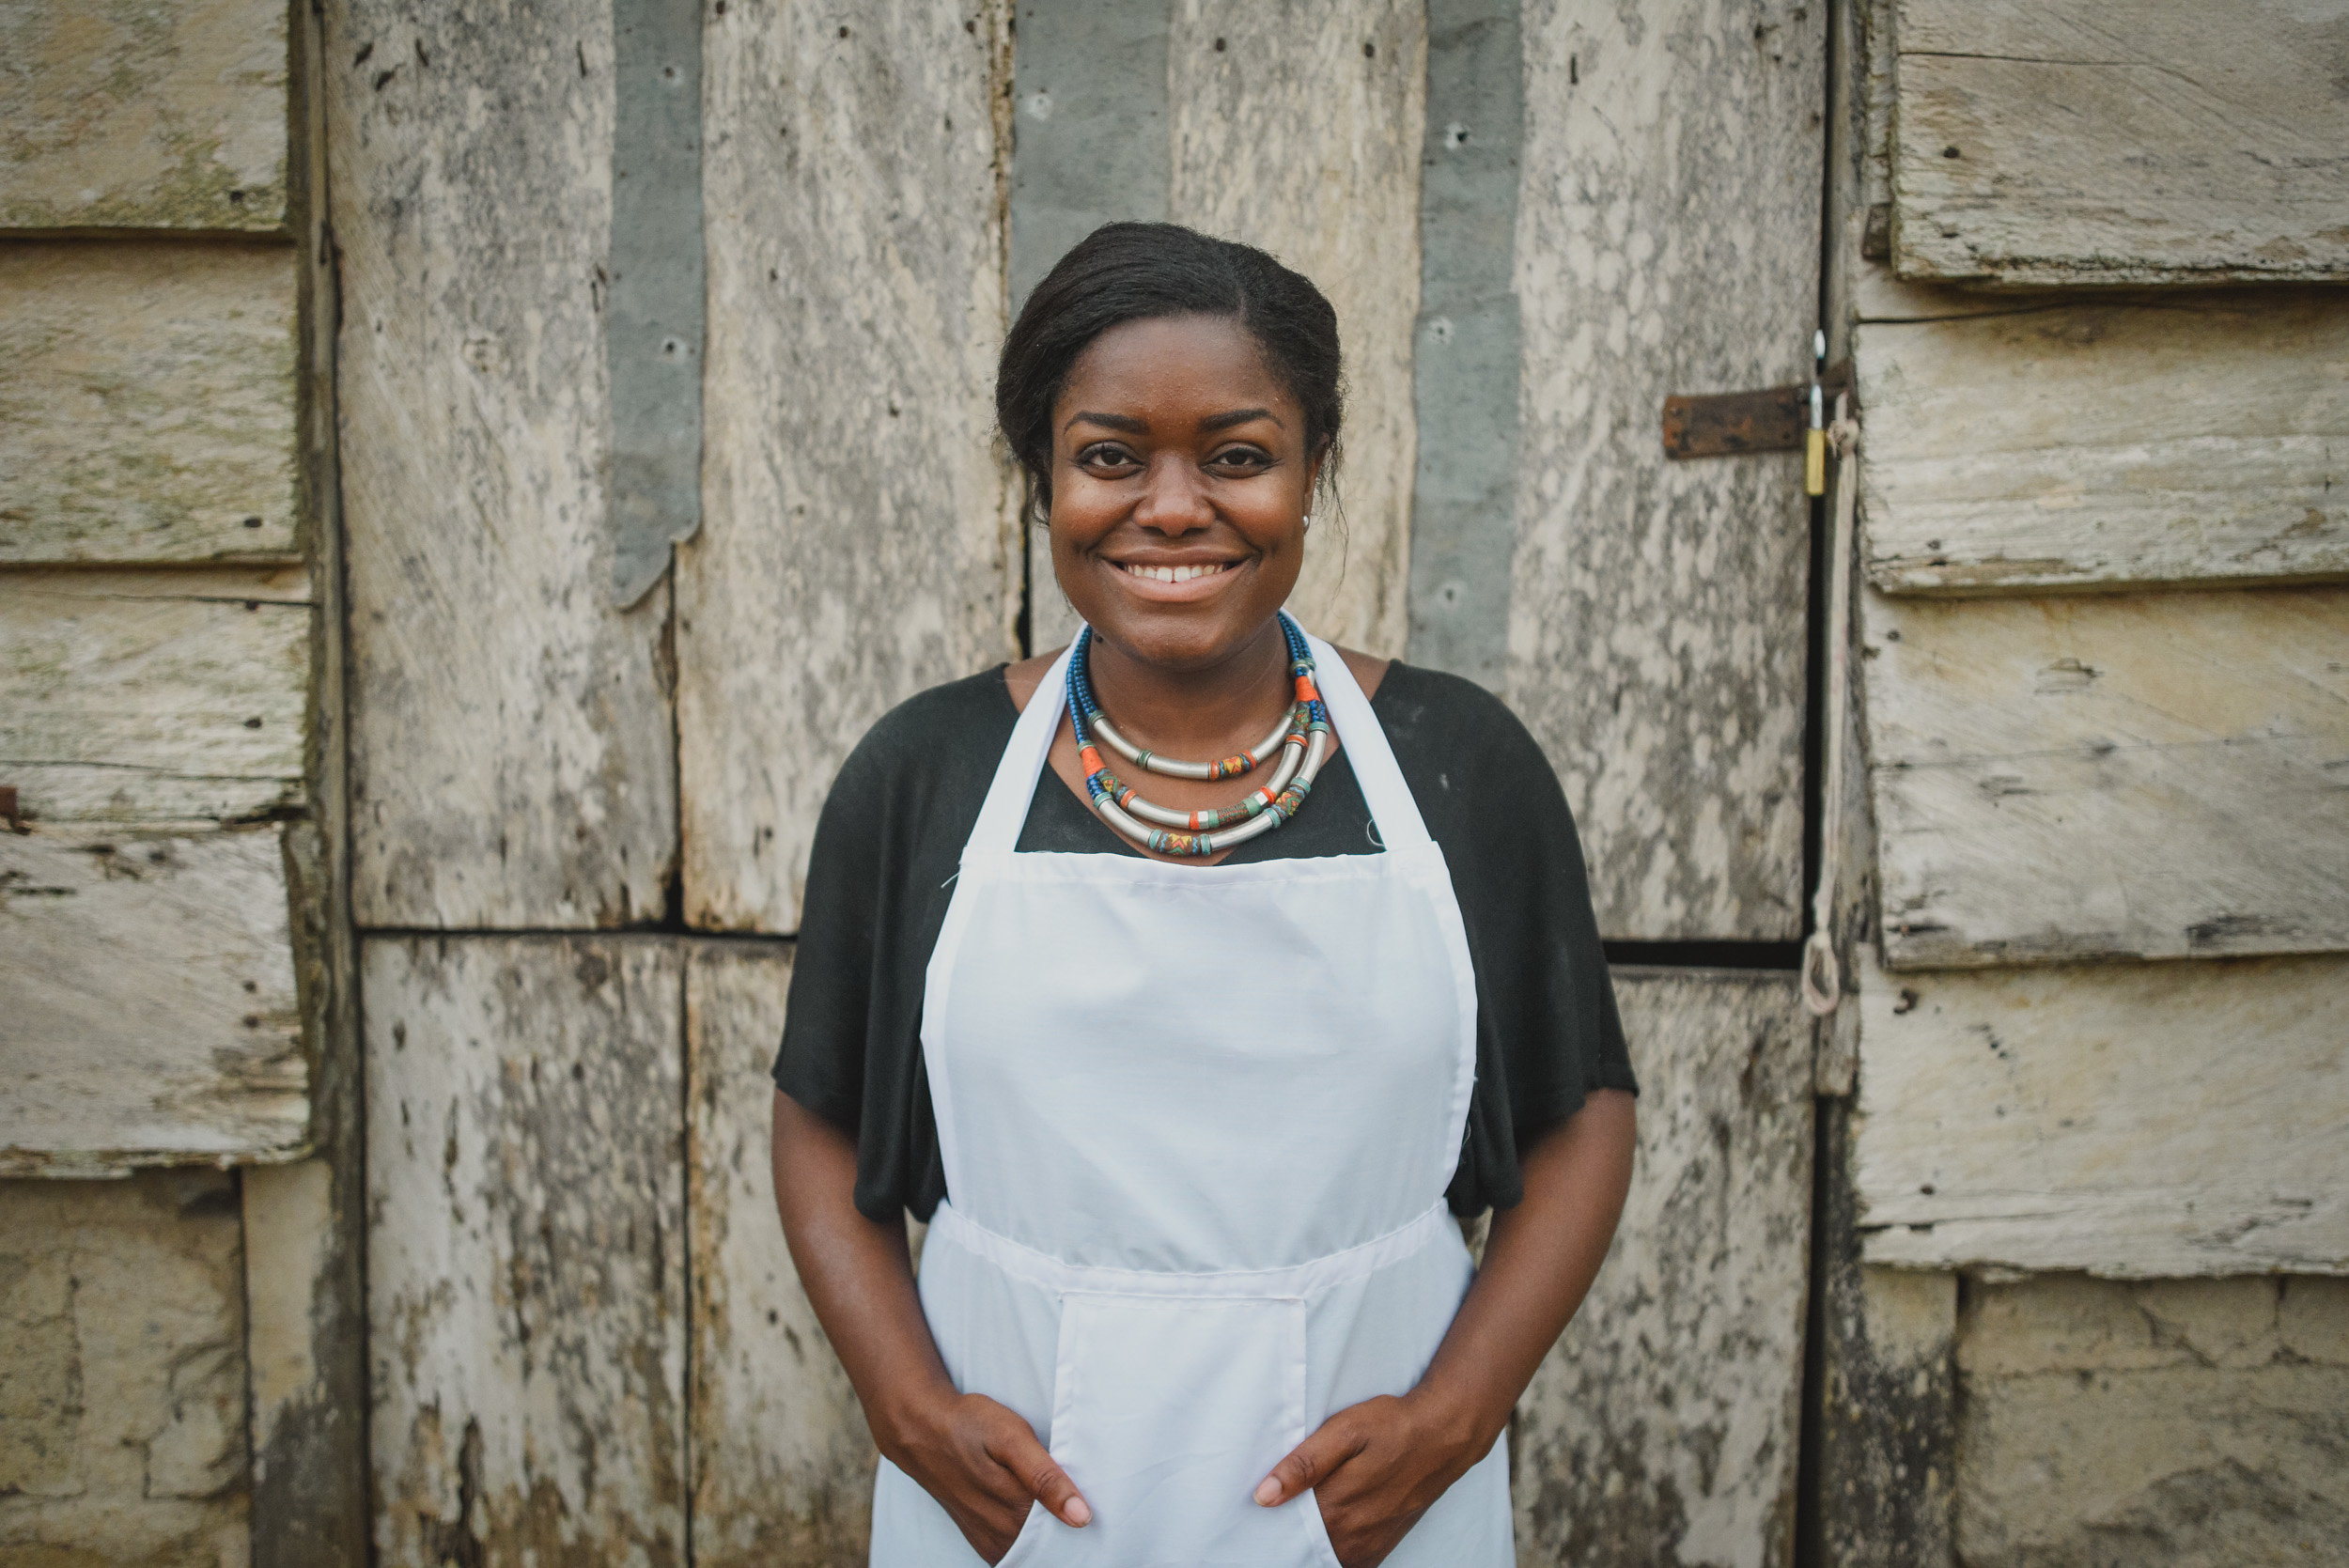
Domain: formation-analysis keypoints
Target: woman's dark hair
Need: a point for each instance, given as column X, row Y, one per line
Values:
column 1123, row 272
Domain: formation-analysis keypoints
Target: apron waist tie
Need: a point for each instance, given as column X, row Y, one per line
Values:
column 1295, row 1281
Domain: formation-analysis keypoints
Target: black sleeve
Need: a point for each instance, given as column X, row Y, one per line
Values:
column 1547, row 1030
column 878, row 884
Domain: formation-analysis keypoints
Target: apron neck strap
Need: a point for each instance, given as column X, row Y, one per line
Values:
column 1013, row 792
column 1374, row 769
column 1008, row 798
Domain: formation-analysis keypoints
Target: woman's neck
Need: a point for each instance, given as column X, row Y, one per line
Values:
column 1200, row 712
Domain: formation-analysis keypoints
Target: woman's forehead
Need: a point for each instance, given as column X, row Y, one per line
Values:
column 1175, row 362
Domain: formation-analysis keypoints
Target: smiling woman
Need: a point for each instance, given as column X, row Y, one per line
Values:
column 1186, row 1085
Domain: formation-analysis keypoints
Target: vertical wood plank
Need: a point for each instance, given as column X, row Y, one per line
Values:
column 527, row 1257
column 511, row 754
column 1668, row 242
column 2090, row 776
column 149, row 114
column 782, row 1465
column 148, row 414
column 1661, row 1430
column 857, row 539
column 1297, row 127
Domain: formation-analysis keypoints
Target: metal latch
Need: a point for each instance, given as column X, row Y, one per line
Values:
column 1725, row 424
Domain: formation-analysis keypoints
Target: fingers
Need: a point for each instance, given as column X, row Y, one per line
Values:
column 1016, row 1450
column 1310, row 1462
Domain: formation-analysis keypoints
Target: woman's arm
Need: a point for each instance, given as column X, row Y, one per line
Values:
column 1378, row 1465
column 980, row 1459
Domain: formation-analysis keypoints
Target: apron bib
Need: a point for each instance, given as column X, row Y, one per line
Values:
column 1196, row 1124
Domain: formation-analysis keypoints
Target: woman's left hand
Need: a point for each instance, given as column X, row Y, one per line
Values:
column 1375, row 1467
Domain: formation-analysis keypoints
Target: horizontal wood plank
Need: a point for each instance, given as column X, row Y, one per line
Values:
column 1297, row 127
column 2195, row 438
column 2099, row 776
column 145, row 696
column 1698, row 1311
column 2125, row 1119
column 855, row 211
column 149, row 994
column 526, row 1249
column 2120, row 141
column 511, row 749
column 783, row 1465
column 1668, row 242
column 144, row 113
column 148, row 411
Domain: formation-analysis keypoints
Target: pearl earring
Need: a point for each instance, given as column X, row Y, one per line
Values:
column 1309, row 520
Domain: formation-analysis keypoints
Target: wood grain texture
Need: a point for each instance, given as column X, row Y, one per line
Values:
column 1668, row 242
column 858, row 540
column 1661, row 1430
column 2085, row 777
column 2140, row 1120
column 526, row 1249
column 149, row 1001
column 148, row 414
column 143, row 114
column 2120, row 141
column 782, row 1465
column 511, row 756
column 2202, row 437
column 1297, row 127
column 153, row 696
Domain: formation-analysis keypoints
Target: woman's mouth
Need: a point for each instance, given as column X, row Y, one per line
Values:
column 1173, row 574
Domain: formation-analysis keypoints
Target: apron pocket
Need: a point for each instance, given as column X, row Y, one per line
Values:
column 1166, row 1413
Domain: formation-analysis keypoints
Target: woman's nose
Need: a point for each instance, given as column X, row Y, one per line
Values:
column 1172, row 499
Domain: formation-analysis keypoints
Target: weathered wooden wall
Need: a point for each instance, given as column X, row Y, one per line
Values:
column 1662, row 1429
column 149, row 410
column 2102, row 141
column 2058, row 444
column 1668, row 242
column 782, row 1465
column 512, row 757
column 527, row 1253
column 146, row 115
column 2085, row 777
column 858, row 541
column 2152, row 1121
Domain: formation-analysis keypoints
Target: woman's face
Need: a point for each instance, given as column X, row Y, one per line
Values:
column 1176, row 452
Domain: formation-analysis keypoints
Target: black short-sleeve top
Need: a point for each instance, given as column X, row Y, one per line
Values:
column 881, row 871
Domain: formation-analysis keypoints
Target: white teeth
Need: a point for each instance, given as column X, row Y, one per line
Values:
column 1177, row 574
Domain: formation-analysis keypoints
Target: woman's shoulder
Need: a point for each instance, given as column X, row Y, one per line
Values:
column 1429, row 714
column 943, row 725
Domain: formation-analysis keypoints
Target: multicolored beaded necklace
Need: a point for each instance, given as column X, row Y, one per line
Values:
column 1302, row 737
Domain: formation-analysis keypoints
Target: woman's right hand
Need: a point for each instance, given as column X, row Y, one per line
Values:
column 984, row 1465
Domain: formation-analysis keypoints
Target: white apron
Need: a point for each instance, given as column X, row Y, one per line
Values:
column 1196, row 1124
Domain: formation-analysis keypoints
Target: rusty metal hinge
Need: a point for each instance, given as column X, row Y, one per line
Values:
column 1725, row 424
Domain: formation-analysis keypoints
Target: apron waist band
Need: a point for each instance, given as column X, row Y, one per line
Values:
column 1296, row 1281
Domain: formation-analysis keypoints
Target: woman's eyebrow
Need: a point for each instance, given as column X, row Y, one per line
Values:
column 1238, row 417
column 1108, row 422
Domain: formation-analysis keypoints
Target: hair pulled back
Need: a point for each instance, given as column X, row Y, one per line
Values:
column 1123, row 272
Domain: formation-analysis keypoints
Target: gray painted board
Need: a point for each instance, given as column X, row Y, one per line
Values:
column 2175, row 439
column 149, row 1001
column 1466, row 353
column 154, row 696
column 1662, row 1428
column 858, row 540
column 2091, row 776
column 782, row 1465
column 2145, row 1120
column 1668, row 242
column 526, row 1248
column 143, row 114
column 148, row 411
column 2120, row 141
column 511, row 756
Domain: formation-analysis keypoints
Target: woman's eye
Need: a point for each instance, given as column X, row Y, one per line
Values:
column 1104, row 455
column 1245, row 460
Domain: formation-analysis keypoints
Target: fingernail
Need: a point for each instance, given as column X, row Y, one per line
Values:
column 1079, row 1515
column 1267, row 1491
